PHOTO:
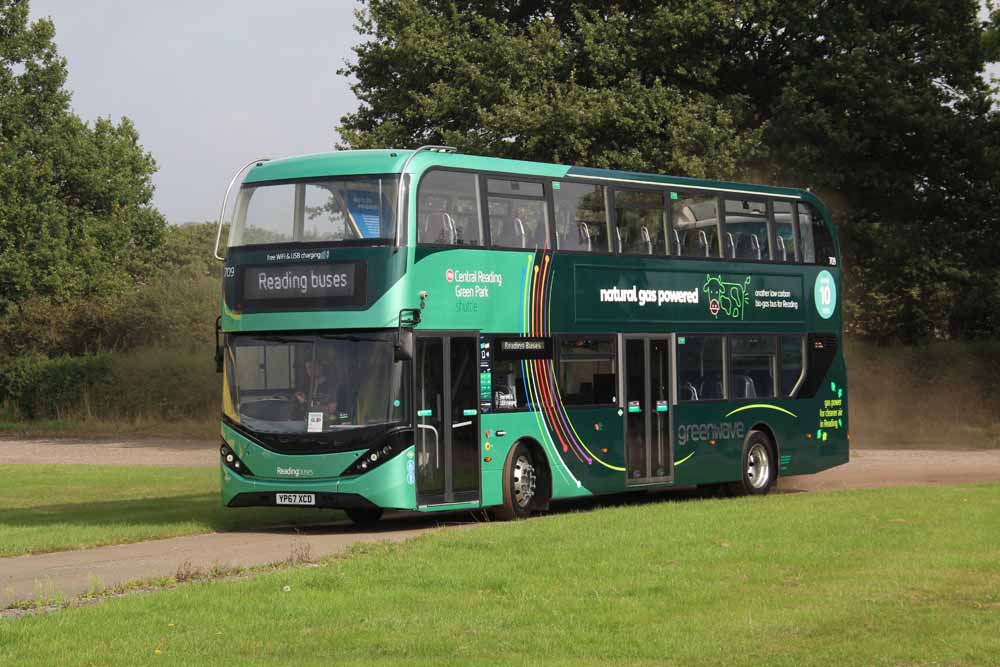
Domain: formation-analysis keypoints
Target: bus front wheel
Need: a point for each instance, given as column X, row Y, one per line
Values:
column 520, row 484
column 759, row 466
column 364, row 516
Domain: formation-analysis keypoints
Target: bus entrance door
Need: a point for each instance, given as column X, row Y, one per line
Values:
column 648, row 454
column 447, row 433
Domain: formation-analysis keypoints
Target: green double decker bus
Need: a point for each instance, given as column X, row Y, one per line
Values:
column 424, row 330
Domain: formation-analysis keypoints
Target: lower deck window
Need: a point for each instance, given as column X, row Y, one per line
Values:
column 791, row 363
column 700, row 368
column 587, row 373
column 753, row 364
column 509, row 389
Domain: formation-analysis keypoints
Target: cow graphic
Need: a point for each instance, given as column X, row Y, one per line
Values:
column 726, row 297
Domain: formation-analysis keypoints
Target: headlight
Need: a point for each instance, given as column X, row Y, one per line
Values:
column 233, row 462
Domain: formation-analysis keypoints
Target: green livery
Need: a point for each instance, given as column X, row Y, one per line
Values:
column 425, row 330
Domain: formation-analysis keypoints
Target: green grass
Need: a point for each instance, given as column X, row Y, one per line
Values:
column 903, row 576
column 58, row 507
column 197, row 429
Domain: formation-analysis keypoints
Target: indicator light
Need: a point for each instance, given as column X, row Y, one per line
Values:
column 488, row 459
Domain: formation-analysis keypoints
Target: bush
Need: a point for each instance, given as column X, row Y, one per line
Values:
column 157, row 384
column 174, row 308
column 39, row 387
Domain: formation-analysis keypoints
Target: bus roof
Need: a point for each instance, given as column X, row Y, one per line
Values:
column 390, row 161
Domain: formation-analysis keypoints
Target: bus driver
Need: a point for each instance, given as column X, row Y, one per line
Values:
column 318, row 394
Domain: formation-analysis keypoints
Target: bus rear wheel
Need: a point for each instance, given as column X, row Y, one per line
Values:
column 759, row 466
column 364, row 516
column 520, row 484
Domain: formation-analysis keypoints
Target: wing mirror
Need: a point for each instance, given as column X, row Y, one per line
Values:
column 408, row 318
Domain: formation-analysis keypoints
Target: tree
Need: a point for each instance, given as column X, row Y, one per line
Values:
column 880, row 105
column 76, row 214
column 559, row 85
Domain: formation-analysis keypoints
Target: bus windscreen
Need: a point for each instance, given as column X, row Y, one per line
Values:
column 316, row 383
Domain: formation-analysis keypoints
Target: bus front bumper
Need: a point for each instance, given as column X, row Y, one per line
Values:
column 389, row 486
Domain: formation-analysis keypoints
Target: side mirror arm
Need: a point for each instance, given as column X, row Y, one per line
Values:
column 218, row 345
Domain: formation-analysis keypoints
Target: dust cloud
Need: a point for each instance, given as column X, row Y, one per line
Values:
column 943, row 395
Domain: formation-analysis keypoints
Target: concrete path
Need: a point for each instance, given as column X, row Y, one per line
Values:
column 67, row 574
column 110, row 451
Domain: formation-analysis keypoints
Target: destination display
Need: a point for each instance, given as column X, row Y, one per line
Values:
column 522, row 348
column 303, row 284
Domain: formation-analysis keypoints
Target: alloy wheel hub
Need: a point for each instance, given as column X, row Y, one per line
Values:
column 524, row 481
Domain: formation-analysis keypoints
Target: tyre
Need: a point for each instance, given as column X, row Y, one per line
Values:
column 759, row 466
column 364, row 516
column 520, row 484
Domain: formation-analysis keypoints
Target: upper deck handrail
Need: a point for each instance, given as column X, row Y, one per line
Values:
column 399, row 191
column 225, row 202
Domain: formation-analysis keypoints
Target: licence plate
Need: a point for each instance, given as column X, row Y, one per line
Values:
column 295, row 498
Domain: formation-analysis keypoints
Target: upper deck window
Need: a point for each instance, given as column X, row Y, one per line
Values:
column 785, row 249
column 746, row 230
column 448, row 209
column 696, row 225
column 351, row 208
column 817, row 241
column 518, row 214
column 581, row 218
column 641, row 221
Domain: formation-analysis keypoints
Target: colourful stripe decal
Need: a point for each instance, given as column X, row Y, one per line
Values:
column 677, row 463
column 530, row 386
column 541, row 373
column 763, row 406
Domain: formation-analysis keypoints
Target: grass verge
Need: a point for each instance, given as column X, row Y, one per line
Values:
column 59, row 507
column 888, row 576
column 196, row 429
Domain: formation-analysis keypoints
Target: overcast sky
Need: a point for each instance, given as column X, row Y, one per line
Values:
column 210, row 84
